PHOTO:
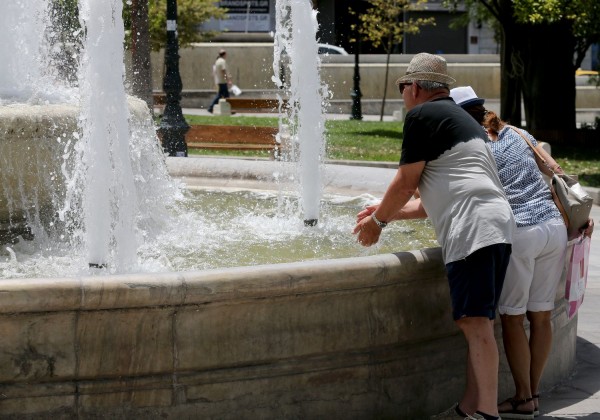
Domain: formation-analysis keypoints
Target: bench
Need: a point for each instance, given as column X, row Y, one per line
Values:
column 160, row 100
column 270, row 105
column 232, row 137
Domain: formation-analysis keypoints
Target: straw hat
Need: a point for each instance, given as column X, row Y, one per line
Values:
column 426, row 66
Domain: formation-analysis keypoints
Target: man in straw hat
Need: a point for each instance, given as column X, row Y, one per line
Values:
column 445, row 158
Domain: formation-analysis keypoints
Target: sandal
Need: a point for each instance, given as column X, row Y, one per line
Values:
column 536, row 409
column 514, row 412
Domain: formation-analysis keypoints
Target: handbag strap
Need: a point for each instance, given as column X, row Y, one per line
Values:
column 557, row 201
column 535, row 151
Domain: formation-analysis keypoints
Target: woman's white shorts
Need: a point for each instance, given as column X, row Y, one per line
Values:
column 535, row 267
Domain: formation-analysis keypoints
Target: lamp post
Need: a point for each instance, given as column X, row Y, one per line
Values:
column 173, row 126
column 355, row 93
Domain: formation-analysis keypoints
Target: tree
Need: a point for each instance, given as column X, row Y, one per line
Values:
column 384, row 24
column 562, row 33
column 146, row 22
column 542, row 44
column 190, row 14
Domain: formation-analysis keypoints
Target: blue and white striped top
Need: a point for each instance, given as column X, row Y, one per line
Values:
column 528, row 194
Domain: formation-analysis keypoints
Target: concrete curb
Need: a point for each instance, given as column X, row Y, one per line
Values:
column 594, row 193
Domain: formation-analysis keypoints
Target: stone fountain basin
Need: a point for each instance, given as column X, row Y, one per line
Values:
column 30, row 156
column 34, row 141
column 370, row 337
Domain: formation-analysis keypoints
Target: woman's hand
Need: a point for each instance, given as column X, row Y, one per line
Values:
column 369, row 210
column 588, row 228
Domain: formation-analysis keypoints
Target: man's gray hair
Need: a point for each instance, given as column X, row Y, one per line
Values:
column 429, row 85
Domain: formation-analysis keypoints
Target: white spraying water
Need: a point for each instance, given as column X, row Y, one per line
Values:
column 110, row 196
column 24, row 77
column 296, row 47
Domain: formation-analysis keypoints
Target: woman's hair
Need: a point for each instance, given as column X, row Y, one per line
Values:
column 492, row 122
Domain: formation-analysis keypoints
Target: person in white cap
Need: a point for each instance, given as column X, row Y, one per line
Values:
column 222, row 79
column 445, row 157
column 539, row 246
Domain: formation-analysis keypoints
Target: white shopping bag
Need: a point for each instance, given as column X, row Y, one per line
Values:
column 577, row 270
column 235, row 90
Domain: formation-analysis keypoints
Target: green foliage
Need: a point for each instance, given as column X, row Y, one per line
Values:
column 64, row 17
column 190, row 14
column 582, row 15
column 476, row 12
column 383, row 23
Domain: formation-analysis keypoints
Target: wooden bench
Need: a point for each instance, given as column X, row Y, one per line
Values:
column 270, row 105
column 232, row 137
column 160, row 100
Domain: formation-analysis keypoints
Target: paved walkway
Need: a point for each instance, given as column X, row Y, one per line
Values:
column 198, row 111
column 579, row 396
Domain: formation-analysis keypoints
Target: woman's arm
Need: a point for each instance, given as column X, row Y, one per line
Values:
column 551, row 167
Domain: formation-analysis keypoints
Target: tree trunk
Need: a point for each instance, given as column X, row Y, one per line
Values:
column 511, row 75
column 549, row 77
column 537, row 62
column 385, row 84
column 140, row 52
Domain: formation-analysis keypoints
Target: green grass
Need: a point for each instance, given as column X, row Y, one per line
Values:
column 381, row 142
column 364, row 140
column 582, row 161
column 235, row 120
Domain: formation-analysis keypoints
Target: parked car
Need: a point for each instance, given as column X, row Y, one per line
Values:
column 580, row 72
column 331, row 49
column 586, row 77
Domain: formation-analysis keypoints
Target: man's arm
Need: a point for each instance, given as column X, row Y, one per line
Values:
column 392, row 207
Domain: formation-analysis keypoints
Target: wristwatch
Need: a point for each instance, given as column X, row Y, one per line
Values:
column 377, row 221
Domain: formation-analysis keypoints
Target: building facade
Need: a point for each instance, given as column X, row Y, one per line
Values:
column 254, row 21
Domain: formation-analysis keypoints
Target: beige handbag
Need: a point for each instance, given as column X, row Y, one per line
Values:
column 573, row 202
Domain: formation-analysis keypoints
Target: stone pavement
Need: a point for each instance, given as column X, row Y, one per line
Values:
column 579, row 396
column 369, row 117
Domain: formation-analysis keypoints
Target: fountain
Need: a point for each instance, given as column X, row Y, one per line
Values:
column 368, row 336
column 296, row 37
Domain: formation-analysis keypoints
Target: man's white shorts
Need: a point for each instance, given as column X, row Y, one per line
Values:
column 535, row 267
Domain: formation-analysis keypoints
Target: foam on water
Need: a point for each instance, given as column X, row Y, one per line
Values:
column 217, row 229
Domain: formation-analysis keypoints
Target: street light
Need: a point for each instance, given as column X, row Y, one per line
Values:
column 355, row 93
column 172, row 125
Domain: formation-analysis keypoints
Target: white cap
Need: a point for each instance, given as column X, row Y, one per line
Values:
column 465, row 96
